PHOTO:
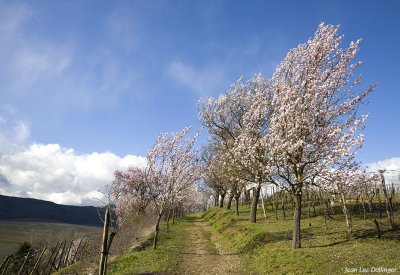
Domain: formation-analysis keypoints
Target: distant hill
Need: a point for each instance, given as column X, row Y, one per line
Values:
column 24, row 209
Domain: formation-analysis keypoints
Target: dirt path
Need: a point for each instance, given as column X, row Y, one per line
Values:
column 203, row 252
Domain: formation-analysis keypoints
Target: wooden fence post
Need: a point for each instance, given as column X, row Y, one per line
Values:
column 23, row 265
column 62, row 255
column 389, row 209
column 49, row 260
column 102, row 271
column 83, row 249
column 77, row 250
column 5, row 265
column 53, row 262
column 67, row 256
column 38, row 260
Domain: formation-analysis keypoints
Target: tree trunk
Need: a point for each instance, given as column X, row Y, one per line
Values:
column 272, row 199
column 169, row 215
column 246, row 196
column 326, row 225
column 253, row 212
column 296, row 241
column 346, row 213
column 216, row 199
column 380, row 206
column 262, row 203
column 237, row 205
column 327, row 208
column 228, row 205
column 378, row 230
column 364, row 210
column 313, row 205
column 157, row 229
column 370, row 199
column 331, row 203
column 221, row 202
column 283, row 204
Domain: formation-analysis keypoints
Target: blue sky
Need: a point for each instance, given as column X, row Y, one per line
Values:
column 80, row 78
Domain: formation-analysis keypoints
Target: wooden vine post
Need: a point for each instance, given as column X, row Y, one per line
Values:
column 104, row 251
column 4, row 265
column 49, row 261
column 76, row 251
column 23, row 265
column 38, row 260
column 389, row 210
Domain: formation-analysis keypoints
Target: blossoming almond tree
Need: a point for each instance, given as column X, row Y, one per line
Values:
column 315, row 118
column 173, row 167
column 238, row 131
column 249, row 149
column 217, row 179
column 223, row 171
column 130, row 193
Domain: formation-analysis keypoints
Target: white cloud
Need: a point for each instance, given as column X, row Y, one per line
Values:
column 32, row 65
column 392, row 166
column 204, row 81
column 21, row 132
column 388, row 164
column 12, row 135
column 51, row 172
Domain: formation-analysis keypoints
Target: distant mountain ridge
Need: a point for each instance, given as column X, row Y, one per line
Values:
column 34, row 210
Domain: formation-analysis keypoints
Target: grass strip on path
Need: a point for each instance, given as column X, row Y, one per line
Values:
column 164, row 259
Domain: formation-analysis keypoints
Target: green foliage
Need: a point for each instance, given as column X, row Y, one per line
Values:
column 23, row 250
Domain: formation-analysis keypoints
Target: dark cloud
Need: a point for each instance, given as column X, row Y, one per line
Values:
column 4, row 182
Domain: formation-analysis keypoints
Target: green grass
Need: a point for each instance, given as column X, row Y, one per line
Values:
column 210, row 245
column 69, row 270
column 147, row 260
column 267, row 244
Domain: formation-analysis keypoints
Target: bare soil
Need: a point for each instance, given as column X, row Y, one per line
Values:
column 204, row 252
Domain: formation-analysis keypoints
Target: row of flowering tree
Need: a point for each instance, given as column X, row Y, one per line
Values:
column 299, row 126
column 169, row 177
column 348, row 183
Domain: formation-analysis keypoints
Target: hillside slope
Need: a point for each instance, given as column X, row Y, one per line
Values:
column 326, row 249
column 219, row 242
column 25, row 209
